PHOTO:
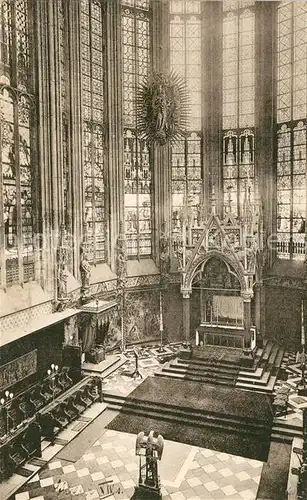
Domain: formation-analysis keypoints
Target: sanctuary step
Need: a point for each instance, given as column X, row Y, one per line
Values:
column 211, row 408
column 224, row 355
column 200, row 371
column 263, row 378
column 216, row 367
column 284, row 431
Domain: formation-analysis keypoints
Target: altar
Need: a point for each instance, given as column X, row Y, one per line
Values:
column 219, row 336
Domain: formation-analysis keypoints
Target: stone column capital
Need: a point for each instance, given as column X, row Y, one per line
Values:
column 186, row 293
column 247, row 295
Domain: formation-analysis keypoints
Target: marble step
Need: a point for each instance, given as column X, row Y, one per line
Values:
column 114, row 401
column 281, row 439
column 263, row 380
column 254, row 386
column 195, row 378
column 288, row 432
column 232, row 367
column 165, row 373
column 279, row 357
column 193, row 418
column 267, row 350
column 257, row 374
column 273, row 355
column 209, row 369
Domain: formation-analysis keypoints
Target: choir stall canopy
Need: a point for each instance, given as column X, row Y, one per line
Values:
column 98, row 316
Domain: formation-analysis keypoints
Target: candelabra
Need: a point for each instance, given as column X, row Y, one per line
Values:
column 5, row 406
column 302, row 386
column 161, row 321
column 52, row 374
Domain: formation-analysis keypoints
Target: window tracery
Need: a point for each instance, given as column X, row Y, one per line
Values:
column 93, row 115
column 291, row 129
column 186, row 155
column 238, row 102
column 16, row 144
column 136, row 54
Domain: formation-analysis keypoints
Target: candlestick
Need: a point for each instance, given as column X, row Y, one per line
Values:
column 302, row 325
column 161, row 322
column 161, row 313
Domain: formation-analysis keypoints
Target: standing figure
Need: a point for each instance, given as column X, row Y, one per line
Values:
column 85, row 269
column 165, row 260
column 62, row 274
column 121, row 261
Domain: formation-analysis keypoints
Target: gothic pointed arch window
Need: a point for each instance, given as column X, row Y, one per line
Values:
column 18, row 205
column 136, row 57
column 291, row 129
column 238, row 102
column 186, row 155
column 93, row 120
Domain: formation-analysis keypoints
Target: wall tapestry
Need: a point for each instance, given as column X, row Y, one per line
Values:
column 18, row 369
column 142, row 317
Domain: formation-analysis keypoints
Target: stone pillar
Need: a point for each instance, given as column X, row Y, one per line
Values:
column 197, row 337
column 265, row 116
column 257, row 298
column 203, row 298
column 247, row 296
column 186, row 314
column 115, row 127
column 259, row 295
column 161, row 175
column 247, row 359
column 74, row 132
column 212, row 47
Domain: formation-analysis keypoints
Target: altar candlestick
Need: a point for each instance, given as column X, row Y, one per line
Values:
column 302, row 325
column 161, row 313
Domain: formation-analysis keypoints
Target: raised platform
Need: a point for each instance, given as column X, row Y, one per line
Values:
column 222, row 366
column 218, row 354
column 228, row 419
column 106, row 367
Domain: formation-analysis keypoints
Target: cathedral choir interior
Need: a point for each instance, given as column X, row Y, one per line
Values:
column 153, row 262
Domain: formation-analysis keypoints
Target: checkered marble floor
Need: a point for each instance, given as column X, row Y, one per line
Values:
column 109, row 469
column 295, row 403
column 121, row 384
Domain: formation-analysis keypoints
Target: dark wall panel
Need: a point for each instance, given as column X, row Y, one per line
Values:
column 283, row 315
column 48, row 343
column 173, row 314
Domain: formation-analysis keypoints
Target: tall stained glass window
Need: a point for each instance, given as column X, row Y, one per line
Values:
column 291, row 129
column 136, row 56
column 238, row 102
column 93, row 108
column 186, row 60
column 17, row 163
